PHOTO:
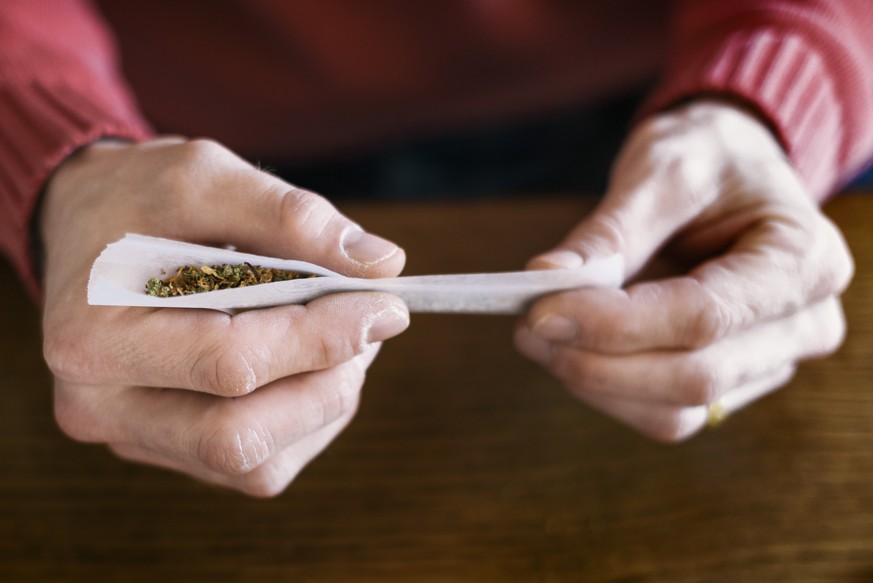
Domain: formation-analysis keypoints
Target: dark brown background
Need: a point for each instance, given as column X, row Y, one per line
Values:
column 466, row 462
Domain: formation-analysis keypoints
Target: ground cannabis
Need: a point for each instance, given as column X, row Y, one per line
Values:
column 191, row 279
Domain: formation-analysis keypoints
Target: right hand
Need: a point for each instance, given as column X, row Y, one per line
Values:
column 243, row 401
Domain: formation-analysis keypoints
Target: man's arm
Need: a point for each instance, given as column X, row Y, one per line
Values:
column 60, row 89
column 804, row 66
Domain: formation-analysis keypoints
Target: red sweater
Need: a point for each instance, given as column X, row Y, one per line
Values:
column 291, row 80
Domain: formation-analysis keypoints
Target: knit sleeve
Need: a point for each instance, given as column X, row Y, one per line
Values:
column 60, row 89
column 806, row 66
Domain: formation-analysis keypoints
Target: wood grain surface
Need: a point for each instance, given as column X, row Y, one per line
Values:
column 466, row 462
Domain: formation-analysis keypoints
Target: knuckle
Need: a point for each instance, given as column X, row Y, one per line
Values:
column 608, row 232
column 334, row 347
column 176, row 179
column 305, row 212
column 671, row 160
column 700, row 382
column 685, row 166
column 341, row 397
column 184, row 175
column 225, row 370
column 656, row 141
column 201, row 149
column 232, row 446
column 711, row 322
column 577, row 370
column 72, row 417
column 67, row 355
column 819, row 255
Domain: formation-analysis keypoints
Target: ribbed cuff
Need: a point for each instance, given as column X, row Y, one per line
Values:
column 776, row 74
column 40, row 125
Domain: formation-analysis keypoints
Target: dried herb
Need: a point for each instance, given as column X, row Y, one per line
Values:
column 191, row 279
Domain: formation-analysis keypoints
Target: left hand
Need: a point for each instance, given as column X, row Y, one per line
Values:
column 733, row 276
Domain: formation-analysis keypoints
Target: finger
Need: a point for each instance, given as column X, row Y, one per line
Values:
column 223, row 198
column 653, row 193
column 673, row 170
column 670, row 423
column 269, row 479
column 224, row 355
column 629, row 223
column 227, row 436
column 695, row 377
column 776, row 269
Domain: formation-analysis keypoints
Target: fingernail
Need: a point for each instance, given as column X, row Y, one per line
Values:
column 554, row 327
column 387, row 324
column 366, row 248
column 533, row 347
column 558, row 260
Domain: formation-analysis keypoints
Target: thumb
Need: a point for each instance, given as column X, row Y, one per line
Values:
column 633, row 223
column 239, row 204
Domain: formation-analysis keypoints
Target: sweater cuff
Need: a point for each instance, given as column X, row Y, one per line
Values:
column 777, row 75
column 40, row 125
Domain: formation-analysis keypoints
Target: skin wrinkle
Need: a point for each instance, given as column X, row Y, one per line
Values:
column 274, row 195
column 327, row 347
column 251, row 381
column 261, row 353
column 220, row 448
column 274, row 474
column 306, row 208
column 288, row 211
column 714, row 316
column 610, row 233
column 206, row 360
column 337, row 399
column 237, row 351
column 253, row 451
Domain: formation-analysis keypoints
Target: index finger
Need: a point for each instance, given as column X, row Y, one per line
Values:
column 223, row 355
column 784, row 263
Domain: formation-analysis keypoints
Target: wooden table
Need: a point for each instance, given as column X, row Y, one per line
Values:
column 467, row 462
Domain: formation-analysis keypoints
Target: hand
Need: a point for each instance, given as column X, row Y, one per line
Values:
column 243, row 401
column 733, row 277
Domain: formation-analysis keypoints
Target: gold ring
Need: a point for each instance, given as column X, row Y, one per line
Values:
column 715, row 414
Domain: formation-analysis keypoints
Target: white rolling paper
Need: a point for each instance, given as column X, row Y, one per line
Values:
column 119, row 275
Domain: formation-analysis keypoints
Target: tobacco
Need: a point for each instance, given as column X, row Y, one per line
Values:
column 191, row 279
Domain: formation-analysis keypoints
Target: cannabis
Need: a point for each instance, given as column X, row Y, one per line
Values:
column 191, row 279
